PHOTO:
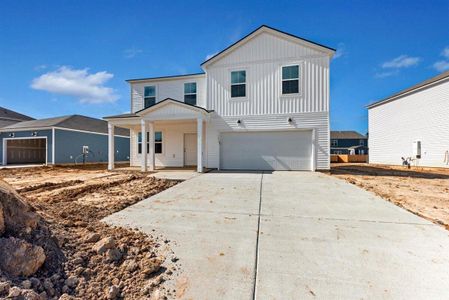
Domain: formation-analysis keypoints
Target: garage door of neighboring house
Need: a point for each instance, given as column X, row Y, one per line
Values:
column 273, row 150
column 26, row 151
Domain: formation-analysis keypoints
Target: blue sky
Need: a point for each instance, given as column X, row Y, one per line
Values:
column 383, row 47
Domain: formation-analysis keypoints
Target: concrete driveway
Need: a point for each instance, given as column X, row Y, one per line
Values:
column 293, row 235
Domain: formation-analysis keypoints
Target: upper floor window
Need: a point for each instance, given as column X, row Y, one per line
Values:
column 334, row 143
column 362, row 142
column 238, row 84
column 290, row 80
column 157, row 142
column 190, row 93
column 149, row 96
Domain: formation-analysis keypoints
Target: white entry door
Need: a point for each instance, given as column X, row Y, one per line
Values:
column 270, row 150
column 190, row 149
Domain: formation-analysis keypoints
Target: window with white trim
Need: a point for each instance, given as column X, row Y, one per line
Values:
column 334, row 143
column 157, row 142
column 290, row 80
column 190, row 93
column 238, row 84
column 362, row 142
column 149, row 97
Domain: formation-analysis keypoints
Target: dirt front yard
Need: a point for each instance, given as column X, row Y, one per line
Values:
column 72, row 201
column 423, row 191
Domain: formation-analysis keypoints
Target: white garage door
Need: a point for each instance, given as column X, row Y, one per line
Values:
column 273, row 150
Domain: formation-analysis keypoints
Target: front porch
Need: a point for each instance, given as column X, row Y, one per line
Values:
column 175, row 136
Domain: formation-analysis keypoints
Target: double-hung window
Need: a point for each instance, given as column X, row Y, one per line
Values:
column 238, row 84
column 290, row 80
column 190, row 93
column 157, row 142
column 149, row 96
column 334, row 143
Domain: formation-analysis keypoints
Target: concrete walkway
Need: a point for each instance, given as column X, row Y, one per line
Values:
column 316, row 237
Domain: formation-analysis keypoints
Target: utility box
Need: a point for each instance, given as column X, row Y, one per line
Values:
column 417, row 149
column 85, row 149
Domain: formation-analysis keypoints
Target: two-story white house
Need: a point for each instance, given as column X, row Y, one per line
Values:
column 261, row 104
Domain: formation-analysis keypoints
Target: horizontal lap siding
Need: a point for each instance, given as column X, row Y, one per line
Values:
column 317, row 121
column 394, row 126
column 69, row 147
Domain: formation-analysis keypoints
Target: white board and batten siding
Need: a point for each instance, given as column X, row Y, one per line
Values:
column 168, row 88
column 265, row 108
column 420, row 116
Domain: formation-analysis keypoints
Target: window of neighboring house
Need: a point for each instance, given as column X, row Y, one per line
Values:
column 149, row 96
column 290, row 80
column 361, row 142
column 238, row 84
column 334, row 143
column 190, row 93
column 157, row 142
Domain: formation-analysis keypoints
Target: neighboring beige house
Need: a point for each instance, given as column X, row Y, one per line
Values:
column 412, row 124
column 261, row 104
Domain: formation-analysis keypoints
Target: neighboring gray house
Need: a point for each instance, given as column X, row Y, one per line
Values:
column 8, row 117
column 67, row 139
column 348, row 142
column 412, row 124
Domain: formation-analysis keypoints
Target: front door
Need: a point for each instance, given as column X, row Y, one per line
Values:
column 190, row 149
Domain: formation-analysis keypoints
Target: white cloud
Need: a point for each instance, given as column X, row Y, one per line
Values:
column 386, row 74
column 132, row 52
column 40, row 67
column 341, row 51
column 402, row 61
column 441, row 65
column 211, row 55
column 89, row 88
column 445, row 52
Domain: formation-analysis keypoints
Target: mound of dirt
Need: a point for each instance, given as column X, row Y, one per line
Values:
column 83, row 257
column 26, row 243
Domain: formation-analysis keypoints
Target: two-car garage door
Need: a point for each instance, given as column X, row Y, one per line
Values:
column 270, row 150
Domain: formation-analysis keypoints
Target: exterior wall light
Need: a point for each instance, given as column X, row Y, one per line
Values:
column 34, row 133
column 11, row 135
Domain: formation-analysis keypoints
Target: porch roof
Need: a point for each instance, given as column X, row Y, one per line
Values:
column 156, row 106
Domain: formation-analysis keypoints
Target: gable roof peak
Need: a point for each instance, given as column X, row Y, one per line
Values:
column 266, row 28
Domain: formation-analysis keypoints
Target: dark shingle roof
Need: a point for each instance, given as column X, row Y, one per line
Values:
column 347, row 135
column 8, row 117
column 77, row 122
column 410, row 89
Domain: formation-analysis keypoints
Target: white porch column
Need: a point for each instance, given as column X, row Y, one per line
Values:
column 111, row 146
column 152, row 150
column 199, row 135
column 143, row 130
